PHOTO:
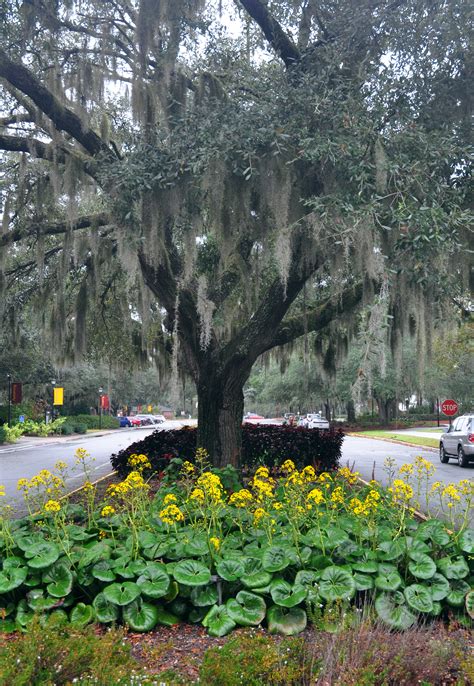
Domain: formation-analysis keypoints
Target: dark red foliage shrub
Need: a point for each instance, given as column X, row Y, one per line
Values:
column 267, row 444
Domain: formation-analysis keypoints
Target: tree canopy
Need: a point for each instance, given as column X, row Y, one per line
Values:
column 238, row 175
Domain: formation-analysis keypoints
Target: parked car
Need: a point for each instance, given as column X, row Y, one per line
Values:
column 135, row 421
column 159, row 418
column 147, row 419
column 289, row 419
column 124, row 421
column 458, row 441
column 314, row 421
column 252, row 415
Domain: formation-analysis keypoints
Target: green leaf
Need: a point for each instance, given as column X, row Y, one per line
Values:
column 246, row 609
column 166, row 618
column 457, row 592
column 59, row 579
column 197, row 546
column 286, row 595
column 23, row 616
column 453, row 568
column 12, row 578
column 275, row 559
column 173, row 591
column 105, row 611
column 38, row 603
column 422, row 567
column 363, row 582
column 42, row 555
column 419, row 598
column 94, row 552
column 392, row 610
column 470, row 604
column 154, row 582
column 435, row 530
column 388, row 578
column 122, row 594
column 230, row 570
column 191, row 573
column 202, row 596
column 218, row 621
column 254, row 574
column 25, row 542
column 466, row 541
column 336, row 584
column 140, row 616
column 305, row 577
column 391, row 550
column 287, row 621
column 103, row 571
column 367, row 567
column 82, row 614
column 439, row 586
column 180, row 607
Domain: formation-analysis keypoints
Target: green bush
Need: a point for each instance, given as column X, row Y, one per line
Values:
column 51, row 652
column 80, row 428
column 66, row 429
column 91, row 421
column 3, row 435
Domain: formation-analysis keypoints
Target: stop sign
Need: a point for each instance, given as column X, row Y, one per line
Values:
column 449, row 407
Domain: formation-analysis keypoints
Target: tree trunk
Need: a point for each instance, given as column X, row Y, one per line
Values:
column 220, row 412
column 350, row 411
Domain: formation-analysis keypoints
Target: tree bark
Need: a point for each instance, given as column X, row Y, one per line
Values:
column 350, row 411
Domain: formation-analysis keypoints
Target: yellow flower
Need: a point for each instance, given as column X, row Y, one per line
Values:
column 81, row 455
column 324, row 476
column 52, row 506
column 450, row 491
column 436, row 486
column 211, row 485
column 264, row 489
column 171, row 514
column 295, row 478
column 107, row 511
column 308, row 473
column 102, row 534
column 401, row 491
column 406, row 469
column 139, row 462
column 88, row 487
column 424, row 467
column 288, row 466
column 316, row 496
column 215, row 542
column 241, row 498
column 350, row 477
column 198, row 495
column 23, row 485
column 337, row 496
column 135, row 480
column 188, row 467
column 277, row 506
column 2, row 490
column 262, row 473
column 60, row 466
column 169, row 498
column 258, row 514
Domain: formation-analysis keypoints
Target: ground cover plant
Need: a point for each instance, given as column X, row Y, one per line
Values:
column 267, row 444
column 290, row 547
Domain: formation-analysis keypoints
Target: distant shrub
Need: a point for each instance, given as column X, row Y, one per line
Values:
column 93, row 421
column 3, row 435
column 66, row 429
column 269, row 444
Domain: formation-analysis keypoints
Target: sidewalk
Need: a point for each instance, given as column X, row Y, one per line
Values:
column 35, row 441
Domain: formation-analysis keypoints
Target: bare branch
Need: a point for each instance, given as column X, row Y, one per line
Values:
column 85, row 222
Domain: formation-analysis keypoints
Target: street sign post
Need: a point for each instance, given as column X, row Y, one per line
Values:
column 449, row 407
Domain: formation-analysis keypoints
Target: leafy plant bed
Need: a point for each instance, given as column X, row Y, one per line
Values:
column 291, row 549
column 260, row 444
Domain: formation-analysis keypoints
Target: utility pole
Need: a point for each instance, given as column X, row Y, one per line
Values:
column 9, row 377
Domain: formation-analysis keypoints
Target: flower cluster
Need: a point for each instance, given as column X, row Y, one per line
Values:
column 348, row 475
column 52, row 506
column 211, row 485
column 139, row 462
column 107, row 511
column 401, row 492
column 242, row 498
column 171, row 514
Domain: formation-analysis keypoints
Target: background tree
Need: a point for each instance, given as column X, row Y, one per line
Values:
column 252, row 190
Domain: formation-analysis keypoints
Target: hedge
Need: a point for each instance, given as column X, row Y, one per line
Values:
column 270, row 444
column 3, row 435
column 92, row 421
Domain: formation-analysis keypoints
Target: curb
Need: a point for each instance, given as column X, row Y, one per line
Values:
column 80, row 488
column 390, row 440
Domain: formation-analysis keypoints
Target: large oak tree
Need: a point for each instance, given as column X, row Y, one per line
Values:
column 247, row 189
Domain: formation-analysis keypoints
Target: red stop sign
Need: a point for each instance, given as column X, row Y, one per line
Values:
column 449, row 407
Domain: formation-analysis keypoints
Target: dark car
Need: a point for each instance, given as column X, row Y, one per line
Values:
column 124, row 421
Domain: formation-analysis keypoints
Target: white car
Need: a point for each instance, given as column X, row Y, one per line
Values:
column 315, row 421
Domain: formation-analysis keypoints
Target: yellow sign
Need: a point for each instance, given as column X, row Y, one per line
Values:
column 58, row 396
column 149, row 408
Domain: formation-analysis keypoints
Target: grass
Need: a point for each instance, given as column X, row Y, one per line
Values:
column 402, row 438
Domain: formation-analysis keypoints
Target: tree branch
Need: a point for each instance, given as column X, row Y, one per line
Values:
column 273, row 32
column 62, row 117
column 316, row 319
column 85, row 222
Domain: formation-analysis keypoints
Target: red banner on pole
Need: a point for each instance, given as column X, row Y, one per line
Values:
column 104, row 402
column 17, row 393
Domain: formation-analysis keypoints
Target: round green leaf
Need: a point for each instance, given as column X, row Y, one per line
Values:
column 305, row 577
column 363, row 582
column 439, row 586
column 388, row 579
column 202, row 596
column 42, row 555
column 38, row 603
column 173, row 591
column 191, row 573
column 103, row 571
column 422, row 566
column 336, row 584
column 27, row 541
column 419, row 598
column 392, row 610
column 218, row 621
column 154, row 582
column 391, row 550
column 13, row 561
column 93, row 552
column 470, row 604
column 366, row 567
column 453, row 568
column 197, row 546
column 105, row 611
column 180, row 607
column 121, row 594
column 12, row 578
column 286, row 620
column 166, row 618
column 286, row 595
column 230, row 570
column 82, row 614
column 140, row 616
column 247, row 609
column 23, row 617
column 457, row 592
column 275, row 559
column 466, row 541
column 59, row 579
column 254, row 574
column 435, row 530
column 334, row 537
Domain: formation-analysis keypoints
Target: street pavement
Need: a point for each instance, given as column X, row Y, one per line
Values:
column 28, row 457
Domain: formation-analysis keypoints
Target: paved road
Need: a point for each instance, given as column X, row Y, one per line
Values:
column 24, row 460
